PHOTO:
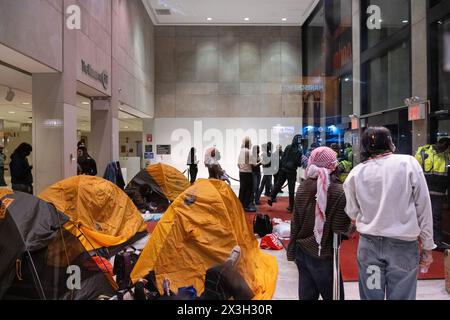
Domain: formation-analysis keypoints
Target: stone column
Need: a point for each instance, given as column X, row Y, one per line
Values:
column 54, row 118
column 356, row 47
column 419, row 72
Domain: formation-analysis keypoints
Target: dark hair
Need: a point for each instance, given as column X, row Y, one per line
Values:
column 376, row 141
column 445, row 141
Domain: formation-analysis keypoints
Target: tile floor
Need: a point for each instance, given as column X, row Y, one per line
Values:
column 288, row 282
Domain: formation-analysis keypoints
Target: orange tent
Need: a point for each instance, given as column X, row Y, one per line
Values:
column 197, row 232
column 103, row 212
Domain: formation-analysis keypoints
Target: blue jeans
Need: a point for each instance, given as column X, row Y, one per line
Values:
column 315, row 277
column 387, row 268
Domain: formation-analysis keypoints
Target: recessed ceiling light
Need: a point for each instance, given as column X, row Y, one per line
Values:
column 126, row 127
column 26, row 103
column 11, row 112
column 284, row 19
column 208, row 19
column 85, row 103
column 440, row 22
column 247, row 19
column 405, row 21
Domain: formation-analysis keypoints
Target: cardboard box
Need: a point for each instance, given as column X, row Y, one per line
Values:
column 447, row 270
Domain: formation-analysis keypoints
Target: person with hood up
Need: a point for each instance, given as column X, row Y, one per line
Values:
column 21, row 175
column 292, row 159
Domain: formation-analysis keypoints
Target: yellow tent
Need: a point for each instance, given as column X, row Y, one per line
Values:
column 170, row 180
column 198, row 231
column 103, row 212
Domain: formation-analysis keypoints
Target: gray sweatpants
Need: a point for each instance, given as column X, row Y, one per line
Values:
column 387, row 268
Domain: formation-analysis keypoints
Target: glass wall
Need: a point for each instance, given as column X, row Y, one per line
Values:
column 386, row 54
column 393, row 16
column 328, row 69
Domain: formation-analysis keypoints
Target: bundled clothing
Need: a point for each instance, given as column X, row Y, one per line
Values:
column 113, row 173
column 319, row 212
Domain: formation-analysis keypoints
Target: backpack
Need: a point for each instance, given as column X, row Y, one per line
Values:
column 124, row 263
column 262, row 225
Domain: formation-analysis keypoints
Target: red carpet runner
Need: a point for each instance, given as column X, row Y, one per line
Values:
column 349, row 265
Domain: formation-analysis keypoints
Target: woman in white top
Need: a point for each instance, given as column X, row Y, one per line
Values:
column 388, row 197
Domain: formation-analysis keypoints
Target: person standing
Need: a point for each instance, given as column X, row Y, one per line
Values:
column 268, row 171
column 2, row 168
column 245, row 175
column 318, row 214
column 256, row 174
column 192, row 162
column 388, row 196
column 86, row 162
column 21, row 175
column 276, row 166
column 435, row 161
column 292, row 159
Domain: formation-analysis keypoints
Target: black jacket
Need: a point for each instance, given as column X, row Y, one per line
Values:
column 292, row 158
column 20, row 169
column 88, row 165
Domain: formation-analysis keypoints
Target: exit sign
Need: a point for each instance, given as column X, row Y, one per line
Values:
column 416, row 112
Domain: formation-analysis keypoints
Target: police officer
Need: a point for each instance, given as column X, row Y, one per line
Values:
column 435, row 161
column 345, row 159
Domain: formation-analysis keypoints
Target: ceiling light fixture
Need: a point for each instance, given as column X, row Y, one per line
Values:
column 208, row 19
column 247, row 19
column 11, row 112
column 284, row 19
column 26, row 103
column 85, row 103
column 405, row 21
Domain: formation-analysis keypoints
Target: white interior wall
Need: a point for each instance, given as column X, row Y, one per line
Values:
column 226, row 133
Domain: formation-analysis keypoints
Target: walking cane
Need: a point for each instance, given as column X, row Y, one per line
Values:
column 336, row 267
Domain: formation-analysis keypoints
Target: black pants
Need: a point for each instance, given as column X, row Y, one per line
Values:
column 193, row 170
column 2, row 177
column 291, row 178
column 315, row 277
column 246, row 188
column 437, row 203
column 266, row 183
column 223, row 282
column 255, row 191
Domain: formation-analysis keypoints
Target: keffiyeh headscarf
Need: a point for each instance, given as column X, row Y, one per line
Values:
column 321, row 163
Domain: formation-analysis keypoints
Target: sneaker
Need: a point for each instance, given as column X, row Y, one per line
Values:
column 235, row 255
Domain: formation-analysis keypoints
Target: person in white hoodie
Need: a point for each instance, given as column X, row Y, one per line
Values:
column 387, row 195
